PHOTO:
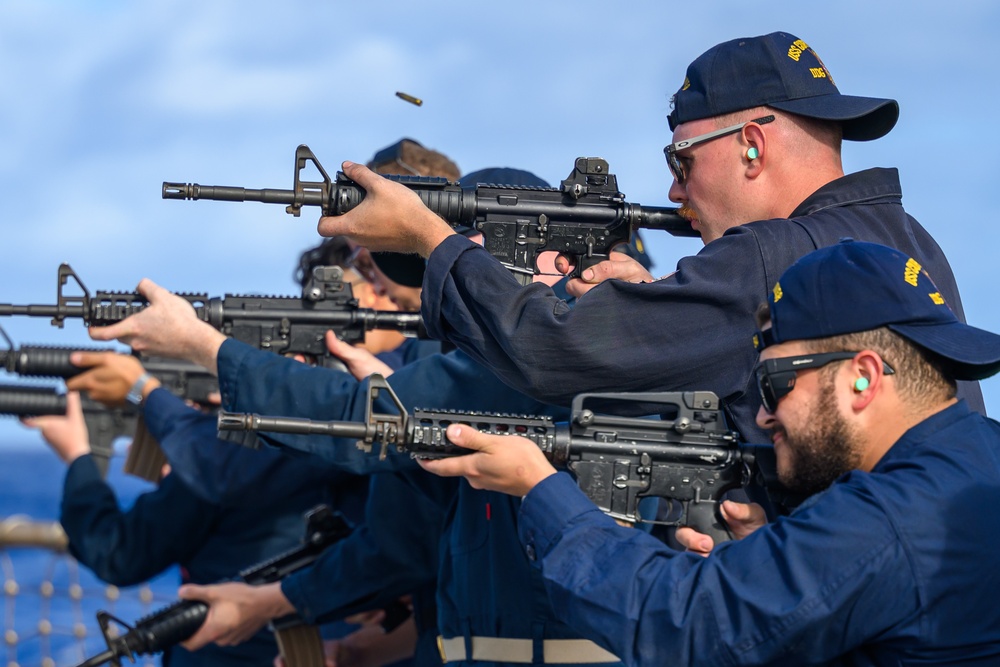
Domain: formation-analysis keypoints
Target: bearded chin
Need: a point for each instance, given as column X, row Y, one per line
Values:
column 818, row 457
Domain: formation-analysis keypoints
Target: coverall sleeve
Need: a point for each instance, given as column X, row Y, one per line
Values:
column 164, row 526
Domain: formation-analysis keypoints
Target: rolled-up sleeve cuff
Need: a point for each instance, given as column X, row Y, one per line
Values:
column 547, row 511
column 439, row 266
column 232, row 355
column 294, row 588
column 159, row 410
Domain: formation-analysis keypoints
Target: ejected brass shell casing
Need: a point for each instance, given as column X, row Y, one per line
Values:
column 410, row 98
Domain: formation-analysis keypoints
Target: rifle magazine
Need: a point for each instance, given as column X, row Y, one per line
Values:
column 145, row 457
column 300, row 645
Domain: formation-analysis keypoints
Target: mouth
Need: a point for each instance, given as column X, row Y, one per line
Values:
column 688, row 214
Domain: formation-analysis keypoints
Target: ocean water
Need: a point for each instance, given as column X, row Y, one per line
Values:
column 60, row 629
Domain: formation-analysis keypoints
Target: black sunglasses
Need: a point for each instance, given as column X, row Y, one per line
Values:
column 676, row 163
column 776, row 377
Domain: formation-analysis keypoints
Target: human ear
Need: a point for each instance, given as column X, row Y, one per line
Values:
column 754, row 142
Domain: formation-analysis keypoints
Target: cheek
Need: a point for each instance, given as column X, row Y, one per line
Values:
column 407, row 299
column 783, row 456
column 721, row 175
column 709, row 195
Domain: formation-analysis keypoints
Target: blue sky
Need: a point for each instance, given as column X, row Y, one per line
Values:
column 102, row 101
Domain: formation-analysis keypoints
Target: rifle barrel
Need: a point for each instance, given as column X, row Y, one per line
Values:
column 238, row 421
column 193, row 191
column 38, row 310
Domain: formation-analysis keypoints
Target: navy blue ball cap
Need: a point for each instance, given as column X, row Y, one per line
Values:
column 406, row 270
column 778, row 70
column 502, row 176
column 856, row 286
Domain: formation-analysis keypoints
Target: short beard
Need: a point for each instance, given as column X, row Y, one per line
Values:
column 825, row 450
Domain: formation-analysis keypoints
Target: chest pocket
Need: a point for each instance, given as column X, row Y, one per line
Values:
column 487, row 585
column 471, row 521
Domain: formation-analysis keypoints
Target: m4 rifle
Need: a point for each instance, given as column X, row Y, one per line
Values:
column 282, row 324
column 584, row 218
column 687, row 457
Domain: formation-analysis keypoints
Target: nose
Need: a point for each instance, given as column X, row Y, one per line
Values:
column 765, row 419
column 677, row 194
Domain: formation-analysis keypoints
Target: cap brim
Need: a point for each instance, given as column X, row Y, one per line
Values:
column 862, row 118
column 407, row 270
column 974, row 354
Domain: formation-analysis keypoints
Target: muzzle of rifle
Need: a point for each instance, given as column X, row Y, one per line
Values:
column 238, row 421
